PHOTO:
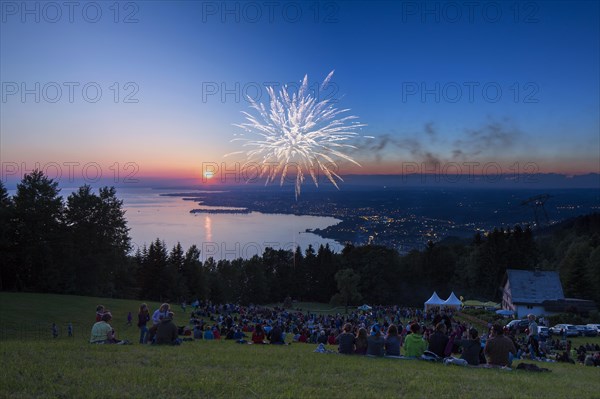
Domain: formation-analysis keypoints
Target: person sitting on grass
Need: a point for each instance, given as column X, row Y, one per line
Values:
column 471, row 348
column 216, row 332
column 565, row 358
column 167, row 332
column 258, row 336
column 361, row 342
column 322, row 338
column 314, row 337
column 208, row 334
column 499, row 349
column 331, row 338
column 102, row 332
column 346, row 340
column 414, row 345
column 438, row 340
column 276, row 335
column 303, row 336
column 375, row 342
column 157, row 316
column 392, row 341
column 238, row 334
column 197, row 331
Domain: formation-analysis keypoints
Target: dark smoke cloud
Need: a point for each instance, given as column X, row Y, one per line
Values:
column 491, row 138
column 430, row 130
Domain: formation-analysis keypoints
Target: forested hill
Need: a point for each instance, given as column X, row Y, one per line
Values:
column 81, row 246
column 573, row 248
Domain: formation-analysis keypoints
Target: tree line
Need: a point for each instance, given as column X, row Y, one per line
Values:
column 82, row 246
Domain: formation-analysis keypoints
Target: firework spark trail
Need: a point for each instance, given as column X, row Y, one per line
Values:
column 300, row 132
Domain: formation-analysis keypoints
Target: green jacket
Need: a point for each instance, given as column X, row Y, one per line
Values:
column 414, row 345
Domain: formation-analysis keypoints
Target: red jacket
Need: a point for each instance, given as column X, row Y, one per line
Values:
column 258, row 338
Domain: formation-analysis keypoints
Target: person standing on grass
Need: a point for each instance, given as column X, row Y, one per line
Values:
column 499, row 349
column 99, row 312
column 54, row 330
column 157, row 316
column 143, row 319
column 70, row 329
column 533, row 337
column 414, row 344
column 129, row 318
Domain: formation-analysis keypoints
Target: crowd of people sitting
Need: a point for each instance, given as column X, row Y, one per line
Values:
column 381, row 331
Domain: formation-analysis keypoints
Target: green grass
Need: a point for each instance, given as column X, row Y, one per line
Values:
column 30, row 316
column 42, row 367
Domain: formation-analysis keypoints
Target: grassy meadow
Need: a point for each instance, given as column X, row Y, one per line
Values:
column 37, row 366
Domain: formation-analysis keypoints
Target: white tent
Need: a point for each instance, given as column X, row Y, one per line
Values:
column 434, row 301
column 452, row 301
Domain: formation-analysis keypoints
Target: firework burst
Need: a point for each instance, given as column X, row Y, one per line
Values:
column 298, row 132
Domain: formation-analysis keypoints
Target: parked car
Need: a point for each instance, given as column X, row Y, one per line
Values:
column 520, row 325
column 593, row 332
column 544, row 331
column 569, row 328
column 586, row 331
column 595, row 326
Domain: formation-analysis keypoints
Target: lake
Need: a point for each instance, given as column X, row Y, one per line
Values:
column 220, row 235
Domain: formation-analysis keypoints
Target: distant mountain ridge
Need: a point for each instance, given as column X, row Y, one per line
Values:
column 508, row 180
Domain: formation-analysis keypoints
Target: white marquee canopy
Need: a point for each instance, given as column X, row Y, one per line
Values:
column 436, row 301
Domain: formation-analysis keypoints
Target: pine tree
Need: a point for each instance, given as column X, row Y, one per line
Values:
column 99, row 243
column 573, row 270
column 176, row 266
column 38, row 238
column 7, row 261
column 193, row 274
column 156, row 280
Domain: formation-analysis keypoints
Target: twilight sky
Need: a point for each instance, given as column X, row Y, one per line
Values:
column 516, row 83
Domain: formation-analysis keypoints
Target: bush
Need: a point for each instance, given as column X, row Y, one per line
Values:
column 567, row 318
column 482, row 314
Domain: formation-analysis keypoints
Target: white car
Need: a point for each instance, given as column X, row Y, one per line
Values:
column 569, row 328
column 518, row 324
column 543, row 331
column 596, row 326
